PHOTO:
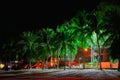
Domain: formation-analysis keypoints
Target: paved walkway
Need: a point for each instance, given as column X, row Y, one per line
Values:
column 54, row 74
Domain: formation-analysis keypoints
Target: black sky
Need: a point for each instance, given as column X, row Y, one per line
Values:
column 17, row 17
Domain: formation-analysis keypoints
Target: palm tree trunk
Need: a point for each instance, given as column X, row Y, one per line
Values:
column 110, row 63
column 70, row 64
column 46, row 62
column 31, row 57
column 51, row 56
column 30, row 64
column 119, row 64
column 65, row 59
column 58, row 62
column 83, row 62
column 70, row 60
column 65, row 62
column 83, row 53
column 99, row 53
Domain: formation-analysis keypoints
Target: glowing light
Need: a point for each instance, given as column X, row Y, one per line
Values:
column 86, row 50
column 2, row 66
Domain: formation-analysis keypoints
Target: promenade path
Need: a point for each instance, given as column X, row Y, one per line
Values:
column 60, row 74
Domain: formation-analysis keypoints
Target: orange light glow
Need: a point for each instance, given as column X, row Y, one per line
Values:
column 86, row 50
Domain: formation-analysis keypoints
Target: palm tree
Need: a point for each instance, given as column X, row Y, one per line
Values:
column 111, row 11
column 113, row 30
column 96, row 24
column 58, row 47
column 79, row 25
column 85, row 26
column 65, row 40
column 30, row 45
column 46, row 42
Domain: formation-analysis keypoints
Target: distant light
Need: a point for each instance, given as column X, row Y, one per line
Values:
column 2, row 66
column 16, row 61
column 86, row 50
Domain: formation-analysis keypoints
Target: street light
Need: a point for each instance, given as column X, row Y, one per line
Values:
column 86, row 49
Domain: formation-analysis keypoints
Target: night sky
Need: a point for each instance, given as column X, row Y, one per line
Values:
column 17, row 17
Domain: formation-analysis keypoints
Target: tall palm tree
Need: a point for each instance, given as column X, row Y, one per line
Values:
column 30, row 45
column 111, row 16
column 79, row 25
column 65, row 40
column 86, row 25
column 95, row 28
column 46, row 42
column 113, row 30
